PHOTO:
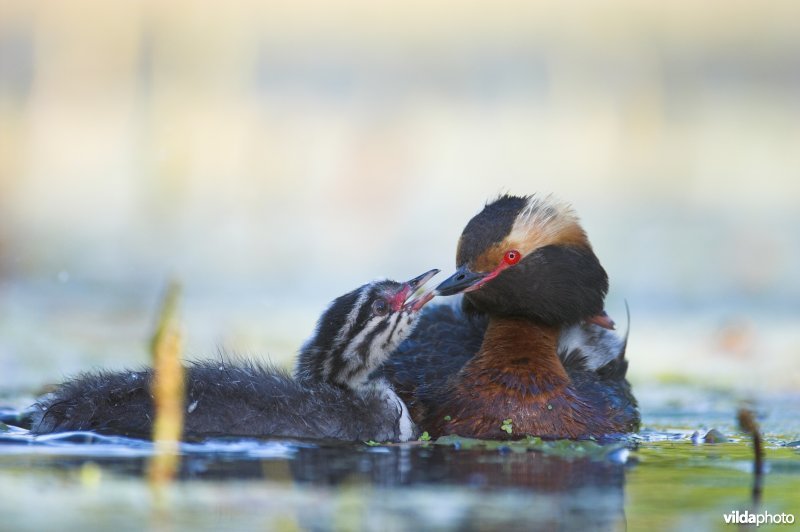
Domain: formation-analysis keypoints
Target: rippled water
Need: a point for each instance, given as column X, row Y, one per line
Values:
column 664, row 477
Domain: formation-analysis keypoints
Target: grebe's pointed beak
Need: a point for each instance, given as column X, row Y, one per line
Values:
column 462, row 281
column 415, row 287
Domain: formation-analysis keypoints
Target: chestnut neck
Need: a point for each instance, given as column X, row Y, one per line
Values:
column 523, row 347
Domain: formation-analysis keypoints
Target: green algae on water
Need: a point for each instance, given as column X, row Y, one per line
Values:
column 566, row 449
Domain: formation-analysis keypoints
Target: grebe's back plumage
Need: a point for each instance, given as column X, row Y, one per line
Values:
column 330, row 396
column 526, row 269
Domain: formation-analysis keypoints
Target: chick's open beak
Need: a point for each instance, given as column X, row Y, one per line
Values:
column 413, row 293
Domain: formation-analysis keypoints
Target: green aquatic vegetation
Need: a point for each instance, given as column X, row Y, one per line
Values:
column 448, row 418
column 507, row 426
column 567, row 449
column 714, row 480
column 372, row 443
column 425, row 436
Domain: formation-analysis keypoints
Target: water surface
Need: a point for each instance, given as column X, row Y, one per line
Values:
column 664, row 477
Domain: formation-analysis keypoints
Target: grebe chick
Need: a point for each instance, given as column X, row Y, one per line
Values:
column 529, row 342
column 331, row 395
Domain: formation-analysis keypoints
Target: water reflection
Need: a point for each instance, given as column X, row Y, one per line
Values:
column 553, row 490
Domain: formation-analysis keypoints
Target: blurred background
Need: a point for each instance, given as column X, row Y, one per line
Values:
column 273, row 155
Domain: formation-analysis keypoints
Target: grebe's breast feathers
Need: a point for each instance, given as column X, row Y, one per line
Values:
column 447, row 337
column 444, row 339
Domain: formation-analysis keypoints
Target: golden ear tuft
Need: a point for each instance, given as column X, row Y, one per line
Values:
column 545, row 221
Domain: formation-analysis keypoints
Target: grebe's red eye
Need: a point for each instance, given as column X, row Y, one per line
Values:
column 512, row 257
